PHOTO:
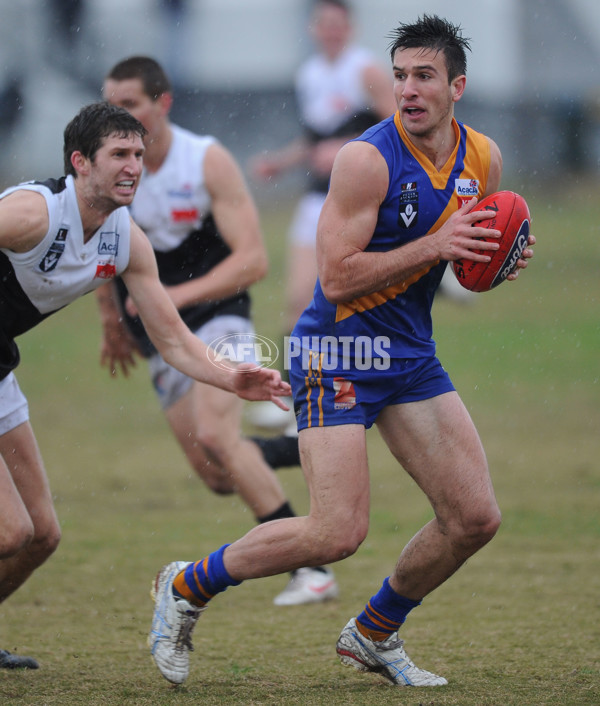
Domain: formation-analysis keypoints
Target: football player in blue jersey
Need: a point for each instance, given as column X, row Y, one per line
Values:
column 362, row 353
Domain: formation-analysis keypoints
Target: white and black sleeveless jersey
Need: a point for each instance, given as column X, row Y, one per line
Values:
column 173, row 208
column 332, row 98
column 58, row 270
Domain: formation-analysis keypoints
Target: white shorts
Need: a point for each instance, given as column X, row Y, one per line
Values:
column 14, row 409
column 303, row 229
column 169, row 383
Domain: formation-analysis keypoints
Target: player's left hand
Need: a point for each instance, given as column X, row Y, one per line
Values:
column 522, row 261
column 118, row 350
column 252, row 383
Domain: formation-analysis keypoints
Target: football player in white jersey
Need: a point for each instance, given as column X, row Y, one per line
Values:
column 60, row 239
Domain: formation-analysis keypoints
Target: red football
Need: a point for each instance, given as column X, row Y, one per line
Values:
column 513, row 220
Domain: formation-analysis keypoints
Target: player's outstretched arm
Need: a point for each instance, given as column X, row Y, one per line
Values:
column 178, row 345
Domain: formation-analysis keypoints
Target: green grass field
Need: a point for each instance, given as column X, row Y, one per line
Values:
column 519, row 624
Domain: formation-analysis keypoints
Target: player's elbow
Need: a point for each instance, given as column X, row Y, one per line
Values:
column 256, row 267
column 262, row 266
column 331, row 286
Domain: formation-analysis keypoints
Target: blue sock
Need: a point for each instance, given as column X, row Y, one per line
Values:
column 202, row 580
column 384, row 613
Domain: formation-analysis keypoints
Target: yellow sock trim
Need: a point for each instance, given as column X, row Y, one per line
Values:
column 374, row 635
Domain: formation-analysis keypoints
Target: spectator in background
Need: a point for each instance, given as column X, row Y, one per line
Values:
column 341, row 90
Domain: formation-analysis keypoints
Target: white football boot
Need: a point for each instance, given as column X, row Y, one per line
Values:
column 170, row 637
column 308, row 586
column 387, row 658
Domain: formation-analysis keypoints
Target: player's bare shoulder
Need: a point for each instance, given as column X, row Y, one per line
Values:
column 23, row 220
column 362, row 170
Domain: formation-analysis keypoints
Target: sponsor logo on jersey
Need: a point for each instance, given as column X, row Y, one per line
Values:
column 109, row 244
column 105, row 270
column 182, row 211
column 55, row 251
column 345, row 396
column 184, row 215
column 466, row 189
column 186, row 191
column 408, row 211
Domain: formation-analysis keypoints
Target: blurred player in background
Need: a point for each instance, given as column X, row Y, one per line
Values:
column 60, row 239
column 377, row 280
column 195, row 208
column 341, row 90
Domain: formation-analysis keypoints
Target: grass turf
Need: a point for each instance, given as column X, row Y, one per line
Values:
column 518, row 624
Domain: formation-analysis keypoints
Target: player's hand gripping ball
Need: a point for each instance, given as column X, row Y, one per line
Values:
column 512, row 219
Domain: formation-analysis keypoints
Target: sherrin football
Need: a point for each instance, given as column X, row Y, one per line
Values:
column 512, row 219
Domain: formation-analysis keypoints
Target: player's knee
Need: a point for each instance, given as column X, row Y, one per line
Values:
column 341, row 542
column 211, row 472
column 215, row 478
column 477, row 529
column 45, row 542
column 18, row 537
column 347, row 547
column 220, row 486
column 215, row 446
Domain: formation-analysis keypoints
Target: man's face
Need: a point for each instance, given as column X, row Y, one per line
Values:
column 423, row 95
column 129, row 94
column 331, row 29
column 115, row 172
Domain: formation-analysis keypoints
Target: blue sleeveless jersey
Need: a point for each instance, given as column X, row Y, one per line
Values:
column 419, row 200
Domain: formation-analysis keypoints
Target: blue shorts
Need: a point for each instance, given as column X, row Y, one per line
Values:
column 335, row 397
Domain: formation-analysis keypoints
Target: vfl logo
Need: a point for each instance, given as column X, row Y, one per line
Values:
column 55, row 251
column 514, row 254
column 408, row 211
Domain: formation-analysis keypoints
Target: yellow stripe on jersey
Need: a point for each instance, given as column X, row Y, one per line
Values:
column 370, row 301
column 477, row 161
column 477, row 156
column 438, row 178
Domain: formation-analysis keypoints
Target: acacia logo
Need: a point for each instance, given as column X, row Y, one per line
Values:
column 242, row 348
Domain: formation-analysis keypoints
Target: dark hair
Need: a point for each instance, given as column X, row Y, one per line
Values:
column 92, row 125
column 433, row 32
column 150, row 72
column 341, row 4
